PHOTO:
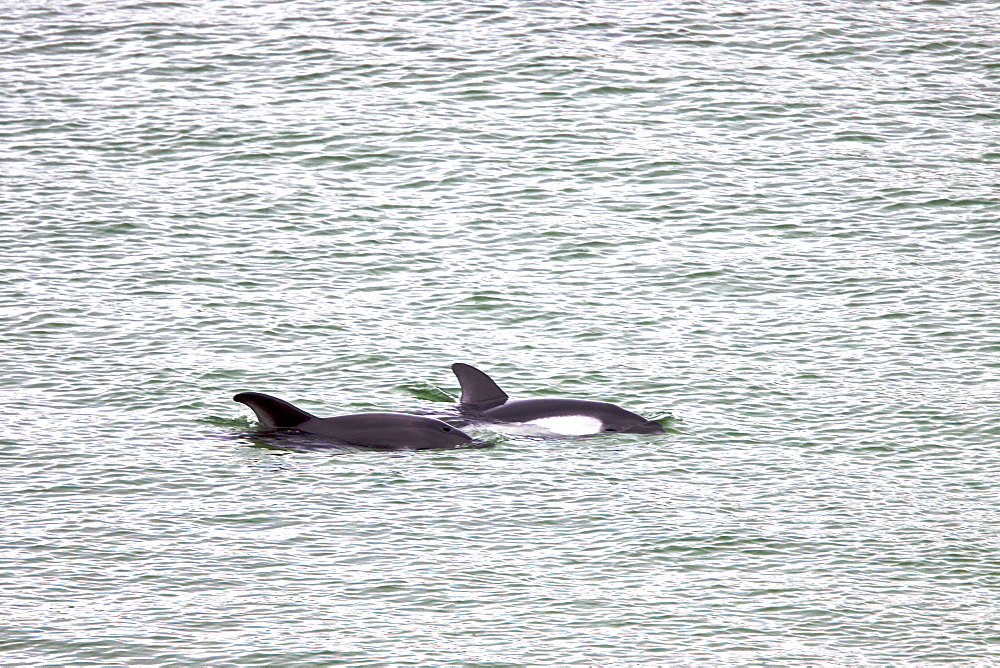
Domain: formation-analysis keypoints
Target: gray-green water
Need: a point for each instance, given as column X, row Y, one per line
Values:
column 776, row 222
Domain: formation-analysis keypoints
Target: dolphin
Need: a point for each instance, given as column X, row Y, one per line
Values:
column 393, row 430
column 482, row 396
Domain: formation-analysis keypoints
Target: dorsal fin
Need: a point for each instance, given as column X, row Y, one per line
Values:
column 478, row 390
column 273, row 412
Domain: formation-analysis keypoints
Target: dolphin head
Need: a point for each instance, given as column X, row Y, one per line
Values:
column 644, row 427
column 616, row 419
column 397, row 430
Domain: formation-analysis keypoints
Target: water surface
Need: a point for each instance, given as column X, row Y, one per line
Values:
column 774, row 223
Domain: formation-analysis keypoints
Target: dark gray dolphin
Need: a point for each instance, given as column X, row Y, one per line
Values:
column 482, row 396
column 395, row 430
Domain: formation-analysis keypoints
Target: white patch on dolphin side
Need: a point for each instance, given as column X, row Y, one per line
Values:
column 569, row 425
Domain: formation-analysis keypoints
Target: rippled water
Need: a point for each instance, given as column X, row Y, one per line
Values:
column 774, row 225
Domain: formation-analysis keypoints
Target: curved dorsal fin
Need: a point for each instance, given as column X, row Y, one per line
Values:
column 478, row 390
column 273, row 412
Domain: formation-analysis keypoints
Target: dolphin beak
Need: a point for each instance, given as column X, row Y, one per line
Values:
column 647, row 427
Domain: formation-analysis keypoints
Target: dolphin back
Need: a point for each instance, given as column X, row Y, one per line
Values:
column 272, row 412
column 479, row 392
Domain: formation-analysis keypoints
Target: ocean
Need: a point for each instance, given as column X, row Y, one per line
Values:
column 772, row 226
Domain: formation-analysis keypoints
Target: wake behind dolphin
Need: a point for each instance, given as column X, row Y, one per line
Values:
column 482, row 396
column 392, row 430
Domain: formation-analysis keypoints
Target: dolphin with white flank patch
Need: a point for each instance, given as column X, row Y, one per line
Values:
column 482, row 396
column 393, row 430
